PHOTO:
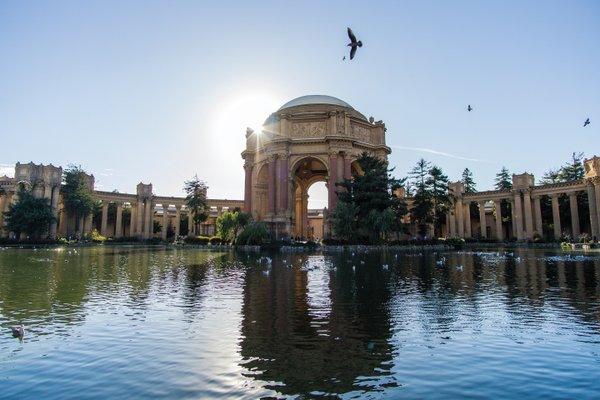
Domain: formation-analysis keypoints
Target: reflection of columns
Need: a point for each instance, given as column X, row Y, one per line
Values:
column 556, row 216
column 271, row 186
column 190, row 223
column 177, row 220
column 518, row 214
column 283, row 183
column 574, row 215
column 482, row 222
column 459, row 217
column 165, row 221
column 248, row 188
column 333, row 169
column 119, row 221
column 537, row 209
column 528, row 214
column 103, row 225
column 132, row 218
column 467, row 216
column 149, row 221
column 54, row 203
column 592, row 207
column 499, row 230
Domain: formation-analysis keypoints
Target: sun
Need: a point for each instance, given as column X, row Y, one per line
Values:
column 244, row 110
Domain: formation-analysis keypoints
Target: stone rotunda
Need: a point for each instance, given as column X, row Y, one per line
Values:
column 309, row 139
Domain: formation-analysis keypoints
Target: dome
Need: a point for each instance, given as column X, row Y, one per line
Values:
column 315, row 99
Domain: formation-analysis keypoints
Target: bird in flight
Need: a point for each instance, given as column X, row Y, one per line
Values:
column 469, row 108
column 586, row 123
column 354, row 44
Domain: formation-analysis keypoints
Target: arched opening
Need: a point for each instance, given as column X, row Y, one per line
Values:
column 308, row 172
column 317, row 202
column 261, row 198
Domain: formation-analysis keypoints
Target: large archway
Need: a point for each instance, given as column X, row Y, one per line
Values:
column 309, row 139
column 307, row 172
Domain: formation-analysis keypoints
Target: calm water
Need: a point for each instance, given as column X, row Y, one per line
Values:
column 138, row 322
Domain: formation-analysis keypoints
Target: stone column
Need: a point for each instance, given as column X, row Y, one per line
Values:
column 190, row 223
column 597, row 190
column 499, row 230
column 48, row 193
column 119, row 221
column 149, row 217
column 537, row 209
column 482, row 221
column 452, row 224
column 467, row 216
column 333, row 169
column 574, row 215
column 177, row 220
column 81, row 227
column 103, row 225
column 248, row 188
column 55, row 198
column 132, row 218
column 528, row 214
column 165, row 221
column 592, row 207
column 271, row 186
column 283, row 183
column 459, row 217
column 556, row 216
column 347, row 166
column 518, row 213
column 139, row 226
column 2, row 202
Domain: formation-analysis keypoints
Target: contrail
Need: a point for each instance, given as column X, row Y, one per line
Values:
column 439, row 153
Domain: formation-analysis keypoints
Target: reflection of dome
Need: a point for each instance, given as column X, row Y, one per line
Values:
column 315, row 99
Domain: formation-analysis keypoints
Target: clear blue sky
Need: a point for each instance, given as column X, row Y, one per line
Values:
column 160, row 91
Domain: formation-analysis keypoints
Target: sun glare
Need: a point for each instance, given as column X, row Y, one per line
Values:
column 243, row 111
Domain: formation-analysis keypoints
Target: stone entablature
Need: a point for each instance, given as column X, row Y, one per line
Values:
column 143, row 206
column 524, row 200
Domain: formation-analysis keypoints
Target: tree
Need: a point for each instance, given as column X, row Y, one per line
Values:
column 29, row 215
column 76, row 192
column 468, row 181
column 230, row 223
column 195, row 199
column 550, row 177
column 371, row 190
column 344, row 220
column 254, row 233
column 437, row 184
column 503, row 180
column 573, row 170
column 422, row 211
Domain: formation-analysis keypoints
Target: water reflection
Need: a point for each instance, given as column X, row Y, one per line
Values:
column 208, row 324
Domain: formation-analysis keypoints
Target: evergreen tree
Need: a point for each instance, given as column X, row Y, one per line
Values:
column 503, row 180
column 29, row 215
column 422, row 211
column 550, row 177
column 573, row 170
column 437, row 184
column 195, row 199
column 467, row 180
column 76, row 193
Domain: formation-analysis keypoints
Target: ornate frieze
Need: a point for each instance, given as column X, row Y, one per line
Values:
column 313, row 129
column 361, row 133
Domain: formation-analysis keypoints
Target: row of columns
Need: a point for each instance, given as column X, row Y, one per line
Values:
column 527, row 214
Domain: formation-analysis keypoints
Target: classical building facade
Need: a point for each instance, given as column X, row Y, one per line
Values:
column 524, row 204
column 309, row 139
column 142, row 214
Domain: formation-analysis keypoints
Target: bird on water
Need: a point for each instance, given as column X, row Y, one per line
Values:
column 354, row 44
column 18, row 331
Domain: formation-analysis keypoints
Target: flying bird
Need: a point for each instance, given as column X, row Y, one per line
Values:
column 586, row 123
column 354, row 44
column 469, row 108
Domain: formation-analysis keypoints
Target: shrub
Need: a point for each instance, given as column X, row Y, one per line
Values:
column 125, row 239
column 255, row 233
column 198, row 240
column 96, row 237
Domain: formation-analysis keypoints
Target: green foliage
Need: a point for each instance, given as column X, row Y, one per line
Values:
column 550, row 177
column 468, row 181
column 230, row 223
column 373, row 190
column 437, row 184
column 503, row 180
column 199, row 240
column 345, row 221
column 215, row 240
column 254, row 233
column 572, row 170
column 29, row 215
column 96, row 237
column 76, row 192
column 381, row 224
column 431, row 200
column 195, row 199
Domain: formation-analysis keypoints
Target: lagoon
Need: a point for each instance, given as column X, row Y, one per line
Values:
column 138, row 322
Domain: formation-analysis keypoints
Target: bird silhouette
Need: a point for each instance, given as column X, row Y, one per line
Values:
column 586, row 123
column 18, row 331
column 354, row 44
column 469, row 108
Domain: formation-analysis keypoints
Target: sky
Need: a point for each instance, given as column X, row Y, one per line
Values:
column 158, row 91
